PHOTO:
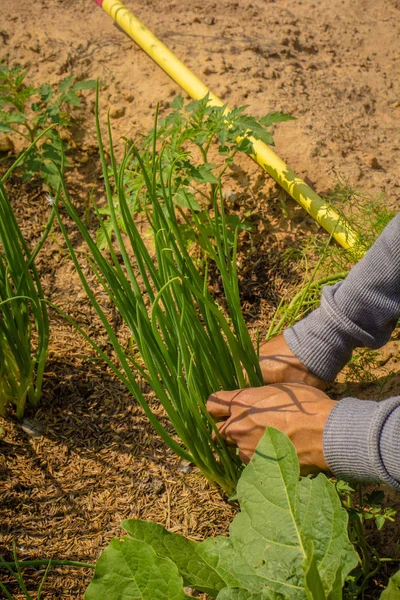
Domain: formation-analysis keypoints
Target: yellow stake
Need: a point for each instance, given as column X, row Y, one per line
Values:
column 327, row 217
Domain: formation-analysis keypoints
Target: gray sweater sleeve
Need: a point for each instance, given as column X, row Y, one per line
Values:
column 361, row 438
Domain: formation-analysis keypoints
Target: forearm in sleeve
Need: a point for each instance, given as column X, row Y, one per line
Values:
column 360, row 311
column 362, row 441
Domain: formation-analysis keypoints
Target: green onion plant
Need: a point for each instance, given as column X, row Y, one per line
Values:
column 23, row 314
column 183, row 344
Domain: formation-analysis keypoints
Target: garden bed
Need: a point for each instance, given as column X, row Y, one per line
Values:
column 97, row 461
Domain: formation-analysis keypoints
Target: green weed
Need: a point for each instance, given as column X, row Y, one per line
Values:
column 27, row 112
column 186, row 139
column 324, row 262
column 22, row 312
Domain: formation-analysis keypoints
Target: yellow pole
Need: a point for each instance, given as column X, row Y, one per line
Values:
column 327, row 217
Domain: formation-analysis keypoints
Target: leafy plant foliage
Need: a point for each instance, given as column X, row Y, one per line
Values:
column 289, row 541
column 27, row 111
column 392, row 591
column 186, row 138
column 176, row 326
column 22, row 310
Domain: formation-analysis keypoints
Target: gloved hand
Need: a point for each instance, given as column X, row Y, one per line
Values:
column 279, row 365
column 297, row 409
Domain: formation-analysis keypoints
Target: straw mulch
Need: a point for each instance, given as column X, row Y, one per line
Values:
column 97, row 461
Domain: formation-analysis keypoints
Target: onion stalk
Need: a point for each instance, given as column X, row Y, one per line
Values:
column 186, row 347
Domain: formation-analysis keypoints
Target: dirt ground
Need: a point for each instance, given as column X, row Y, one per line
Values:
column 335, row 66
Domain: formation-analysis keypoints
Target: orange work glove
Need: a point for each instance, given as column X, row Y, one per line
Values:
column 297, row 409
column 279, row 365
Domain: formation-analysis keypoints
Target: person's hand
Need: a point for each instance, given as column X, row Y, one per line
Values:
column 297, row 409
column 279, row 365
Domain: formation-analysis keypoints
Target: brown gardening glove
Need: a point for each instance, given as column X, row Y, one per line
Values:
column 297, row 409
column 279, row 365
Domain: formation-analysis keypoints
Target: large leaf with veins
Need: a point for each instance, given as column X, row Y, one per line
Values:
column 288, row 541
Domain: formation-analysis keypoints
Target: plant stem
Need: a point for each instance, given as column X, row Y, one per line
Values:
column 54, row 562
column 390, row 560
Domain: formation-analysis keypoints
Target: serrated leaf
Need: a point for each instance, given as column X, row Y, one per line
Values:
column 13, row 117
column 46, row 92
column 248, row 125
column 131, row 570
column 4, row 128
column 275, row 117
column 186, row 200
column 66, row 83
column 72, row 98
column 177, row 102
column 245, row 145
column 85, row 84
column 392, row 591
column 50, row 174
column 203, row 173
column 206, row 173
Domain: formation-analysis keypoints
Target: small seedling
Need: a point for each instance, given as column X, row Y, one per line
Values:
column 186, row 139
column 26, row 112
column 22, row 312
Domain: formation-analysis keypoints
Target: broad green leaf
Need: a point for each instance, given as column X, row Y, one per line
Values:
column 312, row 580
column 336, row 592
column 289, row 531
column 280, row 516
column 131, row 570
column 392, row 591
column 196, row 571
column 313, row 584
column 240, row 594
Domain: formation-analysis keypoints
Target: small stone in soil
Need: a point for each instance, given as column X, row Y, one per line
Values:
column 157, row 485
column 32, row 428
column 116, row 112
column 184, row 466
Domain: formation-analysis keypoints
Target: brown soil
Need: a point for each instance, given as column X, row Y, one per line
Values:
column 335, row 66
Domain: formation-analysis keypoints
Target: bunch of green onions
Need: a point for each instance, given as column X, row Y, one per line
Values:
column 187, row 347
column 22, row 309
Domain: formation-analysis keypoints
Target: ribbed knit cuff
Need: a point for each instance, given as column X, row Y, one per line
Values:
column 358, row 440
column 320, row 345
column 362, row 310
column 390, row 444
